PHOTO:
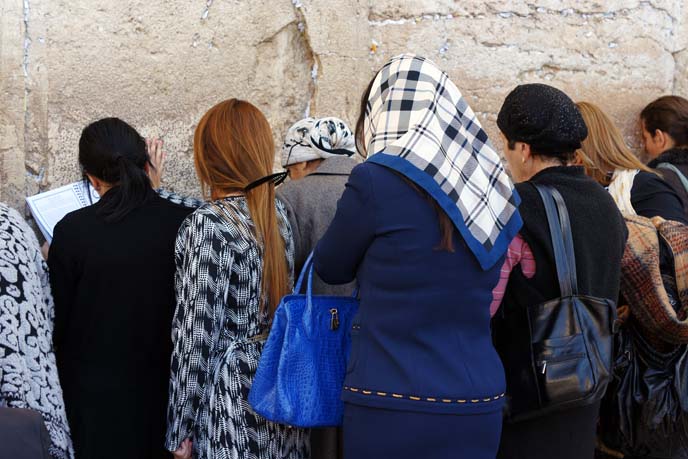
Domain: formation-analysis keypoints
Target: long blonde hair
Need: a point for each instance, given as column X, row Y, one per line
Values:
column 233, row 146
column 604, row 150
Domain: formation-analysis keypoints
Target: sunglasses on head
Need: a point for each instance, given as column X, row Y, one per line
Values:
column 275, row 179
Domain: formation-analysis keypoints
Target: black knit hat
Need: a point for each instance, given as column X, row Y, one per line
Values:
column 543, row 117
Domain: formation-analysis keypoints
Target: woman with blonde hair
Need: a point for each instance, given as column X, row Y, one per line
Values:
column 234, row 258
column 636, row 188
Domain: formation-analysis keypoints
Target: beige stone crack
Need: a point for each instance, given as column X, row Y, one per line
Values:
column 313, row 57
column 32, row 172
column 533, row 10
column 206, row 11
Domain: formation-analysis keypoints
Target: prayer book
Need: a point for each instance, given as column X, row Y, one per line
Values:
column 50, row 207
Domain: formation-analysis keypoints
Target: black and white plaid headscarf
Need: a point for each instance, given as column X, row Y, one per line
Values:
column 418, row 123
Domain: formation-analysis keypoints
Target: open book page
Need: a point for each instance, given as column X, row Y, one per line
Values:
column 50, row 207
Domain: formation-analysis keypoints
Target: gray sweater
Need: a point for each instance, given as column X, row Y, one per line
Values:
column 311, row 204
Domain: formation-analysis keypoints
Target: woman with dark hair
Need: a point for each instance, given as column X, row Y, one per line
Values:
column 664, row 127
column 423, row 226
column 112, row 276
column 234, row 258
column 542, row 129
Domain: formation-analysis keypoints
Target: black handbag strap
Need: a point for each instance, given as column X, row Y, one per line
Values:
column 562, row 239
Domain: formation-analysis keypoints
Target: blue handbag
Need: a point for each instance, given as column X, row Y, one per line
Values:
column 301, row 371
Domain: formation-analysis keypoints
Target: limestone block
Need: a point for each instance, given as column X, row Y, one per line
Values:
column 161, row 65
column 582, row 50
column 681, row 75
column 12, row 102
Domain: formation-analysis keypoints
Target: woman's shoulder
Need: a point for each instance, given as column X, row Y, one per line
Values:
column 524, row 188
column 379, row 179
column 165, row 208
column 370, row 169
column 568, row 180
column 15, row 228
column 649, row 181
column 226, row 220
column 581, row 193
column 651, row 188
column 208, row 214
column 651, row 195
column 77, row 219
column 12, row 217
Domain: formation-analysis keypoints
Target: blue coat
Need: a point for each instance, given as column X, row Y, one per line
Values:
column 421, row 340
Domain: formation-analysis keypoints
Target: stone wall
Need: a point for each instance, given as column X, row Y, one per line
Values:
column 161, row 64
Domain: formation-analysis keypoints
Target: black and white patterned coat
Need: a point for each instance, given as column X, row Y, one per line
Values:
column 28, row 373
column 218, row 334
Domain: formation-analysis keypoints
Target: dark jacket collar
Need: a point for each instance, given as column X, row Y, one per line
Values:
column 674, row 156
column 335, row 166
column 545, row 175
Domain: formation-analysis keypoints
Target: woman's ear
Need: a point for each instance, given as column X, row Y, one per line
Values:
column 298, row 171
column 578, row 159
column 525, row 151
column 663, row 140
column 95, row 182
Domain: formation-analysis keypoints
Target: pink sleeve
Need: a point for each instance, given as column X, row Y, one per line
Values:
column 518, row 252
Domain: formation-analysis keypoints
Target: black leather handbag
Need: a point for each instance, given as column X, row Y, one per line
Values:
column 645, row 411
column 565, row 360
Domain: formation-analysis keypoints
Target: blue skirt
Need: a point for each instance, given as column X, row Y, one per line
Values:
column 378, row 433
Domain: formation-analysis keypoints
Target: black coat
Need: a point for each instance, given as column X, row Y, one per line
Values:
column 653, row 196
column 599, row 238
column 113, row 285
column 679, row 158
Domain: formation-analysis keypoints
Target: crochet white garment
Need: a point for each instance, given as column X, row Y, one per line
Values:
column 620, row 189
column 28, row 373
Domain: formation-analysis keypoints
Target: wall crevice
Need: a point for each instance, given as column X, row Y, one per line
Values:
column 530, row 10
column 32, row 172
column 312, row 55
column 206, row 10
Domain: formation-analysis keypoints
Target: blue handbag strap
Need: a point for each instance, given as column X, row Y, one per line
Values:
column 307, row 270
column 562, row 239
column 308, row 264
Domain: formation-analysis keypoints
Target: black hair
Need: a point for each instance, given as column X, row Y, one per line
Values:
column 359, row 134
column 564, row 157
column 112, row 151
column 668, row 114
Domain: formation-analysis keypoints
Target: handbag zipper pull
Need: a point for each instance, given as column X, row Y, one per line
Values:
column 334, row 319
column 544, row 366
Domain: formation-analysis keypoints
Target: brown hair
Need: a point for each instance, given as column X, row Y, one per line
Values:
column 446, row 225
column 668, row 114
column 604, row 150
column 233, row 146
